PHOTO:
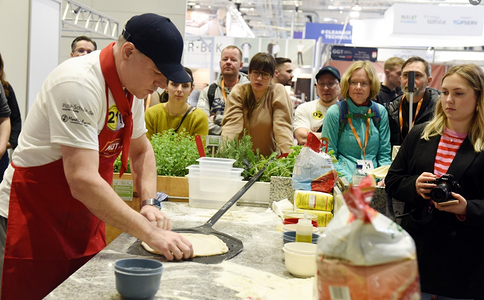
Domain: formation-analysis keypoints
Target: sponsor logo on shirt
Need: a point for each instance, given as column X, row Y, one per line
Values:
column 76, row 121
column 111, row 148
column 317, row 115
column 76, row 108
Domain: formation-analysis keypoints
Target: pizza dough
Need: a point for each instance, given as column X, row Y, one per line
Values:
column 203, row 245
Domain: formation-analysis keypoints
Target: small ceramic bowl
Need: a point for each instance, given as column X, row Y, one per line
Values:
column 300, row 265
column 301, row 248
column 138, row 278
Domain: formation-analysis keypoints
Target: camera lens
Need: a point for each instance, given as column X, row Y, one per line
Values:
column 441, row 192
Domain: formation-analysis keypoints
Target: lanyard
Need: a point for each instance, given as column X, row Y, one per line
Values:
column 223, row 89
column 367, row 134
column 400, row 114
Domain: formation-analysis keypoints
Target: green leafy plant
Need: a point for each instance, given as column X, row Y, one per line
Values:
column 241, row 151
column 173, row 153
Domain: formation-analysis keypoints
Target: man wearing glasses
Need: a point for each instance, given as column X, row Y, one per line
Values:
column 309, row 116
column 82, row 45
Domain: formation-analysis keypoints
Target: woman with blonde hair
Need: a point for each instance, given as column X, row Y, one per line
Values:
column 358, row 129
column 263, row 110
column 438, row 174
column 175, row 112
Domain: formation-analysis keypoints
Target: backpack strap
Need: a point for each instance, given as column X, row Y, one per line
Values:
column 211, row 94
column 343, row 115
column 376, row 114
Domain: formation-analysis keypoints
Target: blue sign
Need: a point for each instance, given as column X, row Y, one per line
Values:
column 330, row 33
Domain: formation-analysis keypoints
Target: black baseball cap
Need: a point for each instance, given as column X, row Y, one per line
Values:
column 329, row 69
column 158, row 38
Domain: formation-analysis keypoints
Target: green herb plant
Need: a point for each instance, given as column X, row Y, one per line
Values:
column 173, row 153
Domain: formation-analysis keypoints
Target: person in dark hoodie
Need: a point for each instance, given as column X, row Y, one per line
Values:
column 424, row 99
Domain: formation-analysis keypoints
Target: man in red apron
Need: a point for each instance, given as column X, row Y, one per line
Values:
column 57, row 191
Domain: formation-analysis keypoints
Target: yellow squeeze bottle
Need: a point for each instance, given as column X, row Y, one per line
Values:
column 304, row 230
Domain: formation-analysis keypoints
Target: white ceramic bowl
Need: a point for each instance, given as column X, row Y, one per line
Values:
column 292, row 227
column 300, row 265
column 301, row 248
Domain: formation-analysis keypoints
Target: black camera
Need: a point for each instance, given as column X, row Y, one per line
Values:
column 445, row 185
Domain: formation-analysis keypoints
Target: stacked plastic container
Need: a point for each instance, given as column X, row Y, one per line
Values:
column 213, row 182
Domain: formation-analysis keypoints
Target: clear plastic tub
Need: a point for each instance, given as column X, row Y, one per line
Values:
column 211, row 192
column 221, row 164
column 196, row 170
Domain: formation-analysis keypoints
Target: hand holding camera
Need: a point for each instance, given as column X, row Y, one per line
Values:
column 441, row 193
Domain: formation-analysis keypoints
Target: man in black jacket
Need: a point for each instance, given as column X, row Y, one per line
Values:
column 391, row 86
column 424, row 100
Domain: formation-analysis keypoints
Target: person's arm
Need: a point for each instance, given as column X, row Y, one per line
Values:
column 384, row 157
column 302, row 125
column 200, row 125
column 330, row 130
column 282, row 119
column 86, row 185
column 233, row 121
column 5, row 126
column 15, row 118
column 4, row 134
column 204, row 105
column 143, row 169
column 399, row 182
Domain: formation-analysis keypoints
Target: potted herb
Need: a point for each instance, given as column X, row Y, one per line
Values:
column 173, row 153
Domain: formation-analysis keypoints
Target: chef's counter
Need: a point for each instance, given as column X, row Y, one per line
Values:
column 257, row 272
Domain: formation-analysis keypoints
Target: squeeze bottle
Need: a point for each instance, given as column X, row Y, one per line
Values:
column 304, row 230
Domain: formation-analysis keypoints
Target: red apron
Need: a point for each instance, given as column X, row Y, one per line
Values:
column 49, row 233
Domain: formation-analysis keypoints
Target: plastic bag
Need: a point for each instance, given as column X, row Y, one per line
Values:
column 364, row 255
column 314, row 169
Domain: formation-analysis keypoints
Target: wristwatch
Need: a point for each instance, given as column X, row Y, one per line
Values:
column 152, row 201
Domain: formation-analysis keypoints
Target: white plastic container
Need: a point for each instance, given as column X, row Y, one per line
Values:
column 216, row 163
column 211, row 192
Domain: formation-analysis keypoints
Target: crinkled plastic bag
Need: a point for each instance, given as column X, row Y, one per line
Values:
column 364, row 255
column 314, row 169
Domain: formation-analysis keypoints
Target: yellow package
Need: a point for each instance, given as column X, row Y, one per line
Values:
column 323, row 216
column 313, row 200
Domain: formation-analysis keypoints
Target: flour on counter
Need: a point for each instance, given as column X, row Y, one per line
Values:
column 254, row 284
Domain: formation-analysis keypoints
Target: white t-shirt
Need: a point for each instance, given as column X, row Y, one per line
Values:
column 69, row 110
column 309, row 115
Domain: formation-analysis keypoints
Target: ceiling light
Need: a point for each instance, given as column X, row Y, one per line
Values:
column 356, row 7
column 197, row 6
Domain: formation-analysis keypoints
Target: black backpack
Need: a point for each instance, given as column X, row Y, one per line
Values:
column 211, row 94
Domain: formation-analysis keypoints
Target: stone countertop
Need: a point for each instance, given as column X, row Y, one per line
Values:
column 258, row 271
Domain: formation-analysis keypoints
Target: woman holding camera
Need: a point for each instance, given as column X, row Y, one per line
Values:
column 449, row 230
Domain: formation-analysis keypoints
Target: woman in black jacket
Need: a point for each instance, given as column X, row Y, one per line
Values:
column 446, row 219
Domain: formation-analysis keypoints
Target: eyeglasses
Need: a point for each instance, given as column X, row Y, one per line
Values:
column 256, row 74
column 363, row 84
column 82, row 51
column 329, row 85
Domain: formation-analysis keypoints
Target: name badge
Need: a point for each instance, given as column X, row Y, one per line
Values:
column 367, row 164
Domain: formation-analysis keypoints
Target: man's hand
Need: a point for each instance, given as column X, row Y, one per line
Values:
column 171, row 244
column 156, row 217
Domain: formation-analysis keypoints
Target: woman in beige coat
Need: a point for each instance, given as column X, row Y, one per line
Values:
column 263, row 110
